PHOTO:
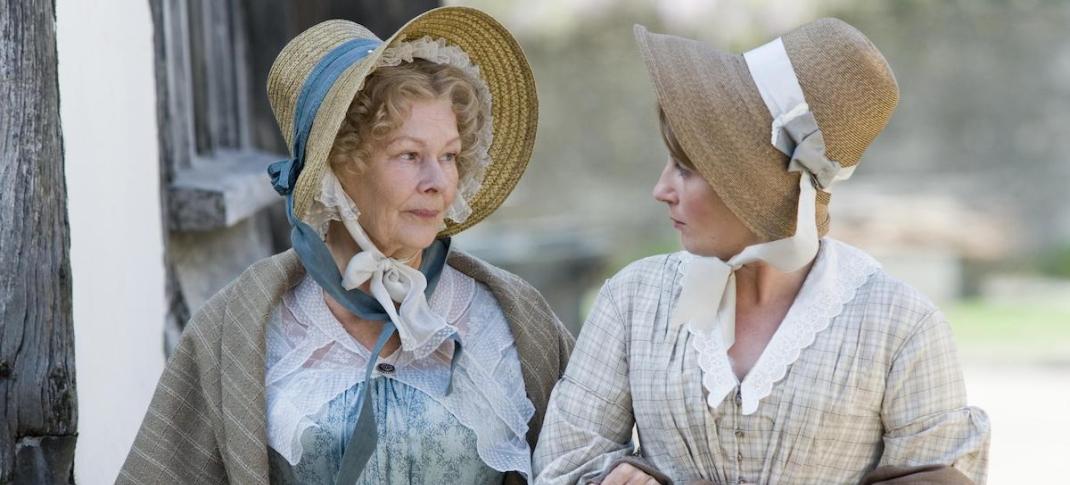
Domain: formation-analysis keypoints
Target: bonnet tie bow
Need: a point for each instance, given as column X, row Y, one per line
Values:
column 389, row 280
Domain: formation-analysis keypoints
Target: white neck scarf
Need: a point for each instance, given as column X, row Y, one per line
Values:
column 421, row 330
column 708, row 296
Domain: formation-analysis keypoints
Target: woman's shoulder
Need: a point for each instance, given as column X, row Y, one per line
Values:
column 889, row 291
column 896, row 309
column 254, row 292
column 647, row 274
column 524, row 307
column 882, row 297
column 500, row 281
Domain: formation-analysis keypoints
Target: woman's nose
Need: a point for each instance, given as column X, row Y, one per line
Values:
column 434, row 177
column 663, row 190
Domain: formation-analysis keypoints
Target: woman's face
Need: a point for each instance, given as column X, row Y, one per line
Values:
column 409, row 180
column 707, row 227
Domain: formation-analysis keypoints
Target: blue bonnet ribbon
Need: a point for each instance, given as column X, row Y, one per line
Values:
column 320, row 265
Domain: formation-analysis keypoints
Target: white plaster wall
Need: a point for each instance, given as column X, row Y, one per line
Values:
column 108, row 111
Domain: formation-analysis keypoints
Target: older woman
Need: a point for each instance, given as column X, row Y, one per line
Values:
column 764, row 353
column 372, row 353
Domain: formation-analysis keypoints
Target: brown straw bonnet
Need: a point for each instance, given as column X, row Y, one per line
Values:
column 502, row 65
column 714, row 108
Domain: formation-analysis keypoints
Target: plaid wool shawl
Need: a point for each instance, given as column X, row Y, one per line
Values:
column 207, row 422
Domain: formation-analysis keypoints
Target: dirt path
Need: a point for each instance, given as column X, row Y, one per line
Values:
column 1029, row 408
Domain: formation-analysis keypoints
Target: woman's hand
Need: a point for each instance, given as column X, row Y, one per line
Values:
column 625, row 474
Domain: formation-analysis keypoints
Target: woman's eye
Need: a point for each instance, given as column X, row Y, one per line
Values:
column 680, row 169
column 449, row 157
column 410, row 156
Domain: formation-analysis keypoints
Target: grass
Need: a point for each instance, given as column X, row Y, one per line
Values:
column 1054, row 262
column 1019, row 330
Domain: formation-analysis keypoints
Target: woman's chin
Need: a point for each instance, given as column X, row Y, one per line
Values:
column 702, row 248
column 691, row 247
column 420, row 239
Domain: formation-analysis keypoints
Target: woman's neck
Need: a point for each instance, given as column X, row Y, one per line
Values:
column 761, row 284
column 343, row 248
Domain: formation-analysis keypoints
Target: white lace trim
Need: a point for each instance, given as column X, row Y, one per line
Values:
column 717, row 375
column 331, row 203
column 838, row 272
column 312, row 359
column 326, row 207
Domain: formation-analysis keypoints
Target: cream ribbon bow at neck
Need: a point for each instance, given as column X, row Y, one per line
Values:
column 707, row 301
column 421, row 330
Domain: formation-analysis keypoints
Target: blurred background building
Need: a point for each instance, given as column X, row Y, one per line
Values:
column 167, row 134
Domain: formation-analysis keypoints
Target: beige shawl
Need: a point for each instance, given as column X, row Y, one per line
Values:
column 206, row 422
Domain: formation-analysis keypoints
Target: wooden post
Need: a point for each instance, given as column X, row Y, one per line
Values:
column 38, row 405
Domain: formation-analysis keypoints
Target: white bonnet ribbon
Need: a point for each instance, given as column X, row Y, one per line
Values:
column 421, row 330
column 708, row 295
column 794, row 131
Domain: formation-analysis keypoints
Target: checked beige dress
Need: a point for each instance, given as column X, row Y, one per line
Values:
column 862, row 372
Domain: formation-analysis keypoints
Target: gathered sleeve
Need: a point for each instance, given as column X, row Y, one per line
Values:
column 925, row 415
column 589, row 420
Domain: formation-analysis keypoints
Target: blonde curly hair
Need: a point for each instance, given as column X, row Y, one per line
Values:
column 382, row 105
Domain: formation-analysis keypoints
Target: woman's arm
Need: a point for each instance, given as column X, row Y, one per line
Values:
column 589, row 421
column 925, row 416
column 915, row 475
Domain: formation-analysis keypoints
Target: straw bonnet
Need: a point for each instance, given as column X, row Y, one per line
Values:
column 489, row 46
column 718, row 116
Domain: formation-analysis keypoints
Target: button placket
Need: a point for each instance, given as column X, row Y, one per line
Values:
column 738, row 433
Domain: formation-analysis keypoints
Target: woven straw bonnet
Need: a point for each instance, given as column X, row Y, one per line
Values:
column 489, row 46
column 720, row 121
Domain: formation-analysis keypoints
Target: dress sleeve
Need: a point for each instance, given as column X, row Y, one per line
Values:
column 925, row 416
column 589, row 419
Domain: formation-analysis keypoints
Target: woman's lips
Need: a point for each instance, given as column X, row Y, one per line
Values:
column 425, row 213
column 677, row 224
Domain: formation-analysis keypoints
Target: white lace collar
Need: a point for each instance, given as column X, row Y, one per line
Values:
column 311, row 359
column 838, row 271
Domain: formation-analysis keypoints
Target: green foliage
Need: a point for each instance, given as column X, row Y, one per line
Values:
column 1020, row 330
column 1055, row 262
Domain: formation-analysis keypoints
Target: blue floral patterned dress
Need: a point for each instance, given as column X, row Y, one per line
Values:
column 419, row 442
column 473, row 435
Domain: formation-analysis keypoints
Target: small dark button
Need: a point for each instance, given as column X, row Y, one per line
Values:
column 385, row 368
